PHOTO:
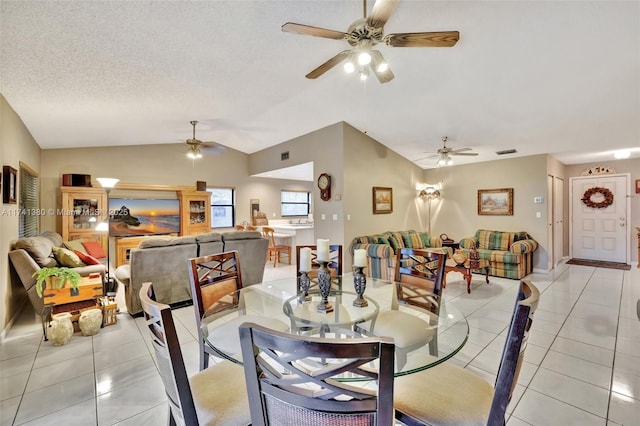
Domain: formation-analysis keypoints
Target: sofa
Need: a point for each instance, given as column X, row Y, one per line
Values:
column 163, row 261
column 510, row 253
column 382, row 248
column 28, row 255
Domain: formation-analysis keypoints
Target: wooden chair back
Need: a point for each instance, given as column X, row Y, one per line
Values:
column 212, row 277
column 288, row 382
column 268, row 233
column 164, row 340
column 422, row 270
column 513, row 352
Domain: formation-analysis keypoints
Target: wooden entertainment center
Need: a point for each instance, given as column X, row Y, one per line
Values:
column 87, row 207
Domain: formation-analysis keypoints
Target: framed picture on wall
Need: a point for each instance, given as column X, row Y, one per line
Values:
column 9, row 185
column 497, row 202
column 382, row 200
column 637, row 186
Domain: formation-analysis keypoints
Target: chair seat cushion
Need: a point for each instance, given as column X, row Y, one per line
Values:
column 445, row 395
column 405, row 329
column 220, row 395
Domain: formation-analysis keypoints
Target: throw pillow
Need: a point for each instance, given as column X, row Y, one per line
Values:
column 39, row 248
column 66, row 257
column 87, row 258
column 75, row 245
column 94, row 248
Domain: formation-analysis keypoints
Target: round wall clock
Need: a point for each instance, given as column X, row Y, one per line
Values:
column 324, row 183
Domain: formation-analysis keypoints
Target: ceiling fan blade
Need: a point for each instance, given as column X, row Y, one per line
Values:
column 329, row 64
column 212, row 148
column 382, row 10
column 463, row 153
column 432, row 39
column 427, row 157
column 453, row 151
column 377, row 60
column 291, row 27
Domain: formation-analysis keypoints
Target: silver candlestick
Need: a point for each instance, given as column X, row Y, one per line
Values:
column 324, row 283
column 305, row 282
column 360, row 284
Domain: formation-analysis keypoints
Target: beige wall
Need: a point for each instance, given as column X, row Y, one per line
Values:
column 16, row 145
column 456, row 212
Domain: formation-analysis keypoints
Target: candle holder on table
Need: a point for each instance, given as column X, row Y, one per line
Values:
column 305, row 283
column 324, row 283
column 360, row 285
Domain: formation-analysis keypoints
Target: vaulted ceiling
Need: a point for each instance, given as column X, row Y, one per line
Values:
column 558, row 77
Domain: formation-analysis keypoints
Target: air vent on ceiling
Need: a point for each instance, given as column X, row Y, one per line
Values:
column 506, row 151
column 284, row 156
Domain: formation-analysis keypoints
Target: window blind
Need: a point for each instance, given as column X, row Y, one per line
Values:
column 29, row 202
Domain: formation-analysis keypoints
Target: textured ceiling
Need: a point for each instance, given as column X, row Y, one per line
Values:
column 537, row 76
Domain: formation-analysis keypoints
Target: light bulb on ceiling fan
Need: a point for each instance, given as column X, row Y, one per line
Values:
column 349, row 67
column 364, row 58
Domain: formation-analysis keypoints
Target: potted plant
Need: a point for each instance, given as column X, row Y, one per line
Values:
column 57, row 277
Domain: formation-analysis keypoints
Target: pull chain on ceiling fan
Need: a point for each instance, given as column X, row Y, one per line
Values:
column 363, row 34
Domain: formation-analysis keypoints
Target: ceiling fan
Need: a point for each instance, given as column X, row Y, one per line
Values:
column 364, row 34
column 196, row 145
column 444, row 154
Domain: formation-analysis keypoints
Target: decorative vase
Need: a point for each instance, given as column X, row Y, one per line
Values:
column 305, row 283
column 60, row 329
column 360, row 285
column 324, row 284
column 474, row 256
column 459, row 257
column 90, row 322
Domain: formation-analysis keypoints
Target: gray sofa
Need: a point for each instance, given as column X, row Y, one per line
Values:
column 164, row 262
column 28, row 255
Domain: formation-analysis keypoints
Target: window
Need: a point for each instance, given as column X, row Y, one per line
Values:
column 29, row 224
column 294, row 203
column 223, row 208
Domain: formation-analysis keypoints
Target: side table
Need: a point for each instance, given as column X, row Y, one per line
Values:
column 466, row 269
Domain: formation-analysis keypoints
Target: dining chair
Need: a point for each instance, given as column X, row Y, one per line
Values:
column 460, row 397
column 418, row 275
column 212, row 277
column 289, row 384
column 215, row 396
column 334, row 265
column 274, row 249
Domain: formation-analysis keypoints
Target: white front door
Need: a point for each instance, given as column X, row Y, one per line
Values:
column 600, row 233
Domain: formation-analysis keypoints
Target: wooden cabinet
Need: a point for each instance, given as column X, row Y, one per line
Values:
column 82, row 209
column 123, row 249
column 195, row 212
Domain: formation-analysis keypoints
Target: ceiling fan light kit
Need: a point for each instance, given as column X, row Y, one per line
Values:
column 194, row 152
column 364, row 34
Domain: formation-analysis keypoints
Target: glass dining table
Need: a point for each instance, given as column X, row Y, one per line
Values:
column 275, row 304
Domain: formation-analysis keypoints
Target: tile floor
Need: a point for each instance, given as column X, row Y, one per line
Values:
column 582, row 364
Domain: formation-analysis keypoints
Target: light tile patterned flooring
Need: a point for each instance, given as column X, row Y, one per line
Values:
column 582, row 364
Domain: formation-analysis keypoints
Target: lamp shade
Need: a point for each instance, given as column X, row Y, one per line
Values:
column 107, row 183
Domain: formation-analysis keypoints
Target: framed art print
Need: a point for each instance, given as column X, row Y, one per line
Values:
column 497, row 202
column 9, row 185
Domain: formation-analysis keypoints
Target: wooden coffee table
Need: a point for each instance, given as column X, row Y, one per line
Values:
column 67, row 300
column 466, row 269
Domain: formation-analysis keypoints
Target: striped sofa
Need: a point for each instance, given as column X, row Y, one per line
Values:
column 382, row 248
column 510, row 253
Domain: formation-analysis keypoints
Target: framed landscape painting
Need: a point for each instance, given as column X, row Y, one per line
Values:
column 382, row 200
column 497, row 202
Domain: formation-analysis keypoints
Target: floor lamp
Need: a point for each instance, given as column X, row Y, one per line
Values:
column 108, row 184
column 429, row 193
